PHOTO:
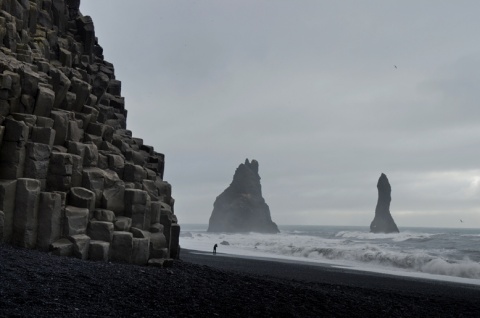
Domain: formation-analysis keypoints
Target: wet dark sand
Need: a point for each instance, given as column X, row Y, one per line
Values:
column 327, row 274
column 35, row 284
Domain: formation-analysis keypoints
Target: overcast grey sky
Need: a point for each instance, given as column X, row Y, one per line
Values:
column 309, row 89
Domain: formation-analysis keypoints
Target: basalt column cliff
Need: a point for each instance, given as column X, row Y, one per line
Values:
column 73, row 180
column 241, row 207
column 383, row 221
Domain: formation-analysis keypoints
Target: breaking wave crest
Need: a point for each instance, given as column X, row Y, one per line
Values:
column 396, row 237
column 373, row 255
column 407, row 251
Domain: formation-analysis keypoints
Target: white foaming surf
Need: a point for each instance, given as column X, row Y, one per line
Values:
column 397, row 237
column 446, row 254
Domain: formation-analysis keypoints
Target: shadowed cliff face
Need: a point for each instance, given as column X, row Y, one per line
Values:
column 241, row 207
column 73, row 179
column 383, row 221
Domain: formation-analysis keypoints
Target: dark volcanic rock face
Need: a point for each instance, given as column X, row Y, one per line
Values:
column 241, row 207
column 73, row 179
column 383, row 221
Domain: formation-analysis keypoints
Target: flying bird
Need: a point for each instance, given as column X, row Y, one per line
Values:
column 461, row 220
column 395, row 66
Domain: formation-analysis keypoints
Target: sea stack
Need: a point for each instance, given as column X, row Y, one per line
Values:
column 241, row 207
column 383, row 221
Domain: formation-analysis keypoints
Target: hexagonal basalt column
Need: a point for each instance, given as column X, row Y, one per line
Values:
column 49, row 219
column 8, row 189
column 76, row 220
column 25, row 219
column 137, row 207
column 121, row 247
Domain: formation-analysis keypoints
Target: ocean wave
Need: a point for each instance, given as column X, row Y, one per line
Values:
column 346, row 248
column 465, row 268
column 376, row 256
column 296, row 232
column 396, row 237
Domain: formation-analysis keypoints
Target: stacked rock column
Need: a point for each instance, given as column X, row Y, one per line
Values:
column 73, row 179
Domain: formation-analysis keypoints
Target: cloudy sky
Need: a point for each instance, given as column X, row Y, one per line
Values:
column 311, row 91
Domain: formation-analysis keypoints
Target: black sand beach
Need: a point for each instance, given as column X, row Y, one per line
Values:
column 35, row 284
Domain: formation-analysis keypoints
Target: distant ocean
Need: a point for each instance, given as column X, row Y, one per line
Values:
column 437, row 253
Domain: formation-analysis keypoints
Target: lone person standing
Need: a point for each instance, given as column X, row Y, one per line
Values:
column 215, row 249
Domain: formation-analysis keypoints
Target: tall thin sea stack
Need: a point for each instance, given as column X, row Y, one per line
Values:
column 241, row 207
column 383, row 221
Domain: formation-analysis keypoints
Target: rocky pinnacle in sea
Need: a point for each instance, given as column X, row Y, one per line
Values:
column 241, row 207
column 383, row 221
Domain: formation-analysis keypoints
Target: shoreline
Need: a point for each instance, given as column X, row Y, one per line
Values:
column 413, row 253
column 327, row 273
column 36, row 284
column 346, row 267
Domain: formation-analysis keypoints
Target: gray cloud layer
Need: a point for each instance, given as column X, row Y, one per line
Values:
column 309, row 89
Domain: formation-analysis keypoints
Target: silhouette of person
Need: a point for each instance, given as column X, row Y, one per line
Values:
column 215, row 249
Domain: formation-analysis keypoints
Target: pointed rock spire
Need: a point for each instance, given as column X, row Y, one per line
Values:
column 383, row 221
column 241, row 207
